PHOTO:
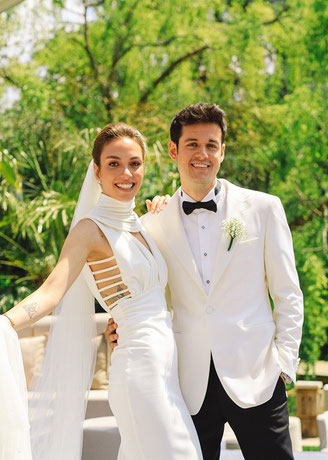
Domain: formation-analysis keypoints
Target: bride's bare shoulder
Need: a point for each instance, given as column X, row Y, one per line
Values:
column 86, row 230
column 86, row 224
column 91, row 236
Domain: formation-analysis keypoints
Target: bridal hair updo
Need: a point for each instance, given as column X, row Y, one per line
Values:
column 116, row 131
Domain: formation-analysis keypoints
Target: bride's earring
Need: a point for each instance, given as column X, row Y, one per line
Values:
column 99, row 182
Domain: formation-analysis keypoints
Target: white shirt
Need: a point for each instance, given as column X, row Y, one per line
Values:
column 203, row 230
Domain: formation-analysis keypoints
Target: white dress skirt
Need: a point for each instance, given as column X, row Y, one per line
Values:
column 144, row 392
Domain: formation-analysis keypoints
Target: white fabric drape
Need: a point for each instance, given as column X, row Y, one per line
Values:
column 117, row 214
column 14, row 426
column 60, row 390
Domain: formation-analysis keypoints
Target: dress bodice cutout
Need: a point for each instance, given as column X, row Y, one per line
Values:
column 131, row 271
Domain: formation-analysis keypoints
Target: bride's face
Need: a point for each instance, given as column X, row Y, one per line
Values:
column 121, row 169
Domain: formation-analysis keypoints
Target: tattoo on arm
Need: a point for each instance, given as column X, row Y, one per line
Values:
column 119, row 288
column 31, row 309
column 118, row 295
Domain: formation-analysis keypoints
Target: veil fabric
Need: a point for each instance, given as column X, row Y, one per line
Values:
column 59, row 391
column 14, row 426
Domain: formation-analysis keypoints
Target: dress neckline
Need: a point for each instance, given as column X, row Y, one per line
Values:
column 149, row 250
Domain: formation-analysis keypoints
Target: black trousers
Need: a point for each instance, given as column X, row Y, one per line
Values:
column 262, row 431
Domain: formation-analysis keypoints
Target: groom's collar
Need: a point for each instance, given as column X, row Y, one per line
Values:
column 213, row 194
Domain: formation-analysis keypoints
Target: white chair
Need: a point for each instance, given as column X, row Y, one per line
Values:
column 322, row 420
column 325, row 397
column 101, row 439
column 229, row 440
column 98, row 405
column 295, row 431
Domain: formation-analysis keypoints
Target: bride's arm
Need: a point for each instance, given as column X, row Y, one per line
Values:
column 74, row 254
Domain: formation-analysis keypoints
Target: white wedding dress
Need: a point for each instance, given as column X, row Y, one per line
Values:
column 144, row 392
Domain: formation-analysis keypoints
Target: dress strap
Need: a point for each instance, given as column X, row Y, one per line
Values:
column 103, row 270
column 101, row 261
column 110, row 278
column 109, row 286
column 115, row 294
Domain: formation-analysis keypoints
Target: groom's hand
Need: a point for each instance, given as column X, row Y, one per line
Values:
column 110, row 334
column 156, row 204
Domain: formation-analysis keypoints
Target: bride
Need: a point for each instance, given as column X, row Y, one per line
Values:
column 107, row 255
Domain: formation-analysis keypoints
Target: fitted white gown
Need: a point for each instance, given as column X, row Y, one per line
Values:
column 144, row 392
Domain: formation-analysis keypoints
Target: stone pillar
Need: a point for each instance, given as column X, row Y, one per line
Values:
column 308, row 406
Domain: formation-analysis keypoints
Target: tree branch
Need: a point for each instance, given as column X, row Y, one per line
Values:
column 277, row 17
column 104, row 89
column 95, row 4
column 169, row 70
column 163, row 43
column 87, row 43
column 5, row 75
column 246, row 3
column 325, row 229
column 119, row 49
column 123, row 51
column 301, row 220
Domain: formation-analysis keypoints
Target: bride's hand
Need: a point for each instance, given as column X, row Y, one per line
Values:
column 156, row 204
column 110, row 334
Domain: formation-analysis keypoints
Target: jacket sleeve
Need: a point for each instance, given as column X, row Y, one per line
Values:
column 283, row 285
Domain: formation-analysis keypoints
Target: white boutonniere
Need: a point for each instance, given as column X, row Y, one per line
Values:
column 234, row 228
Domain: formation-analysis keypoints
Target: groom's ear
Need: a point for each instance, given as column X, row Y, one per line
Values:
column 222, row 152
column 173, row 150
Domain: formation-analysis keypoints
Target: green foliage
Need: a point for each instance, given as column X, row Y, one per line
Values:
column 263, row 61
column 311, row 448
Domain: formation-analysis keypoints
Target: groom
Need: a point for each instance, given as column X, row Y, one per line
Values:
column 236, row 297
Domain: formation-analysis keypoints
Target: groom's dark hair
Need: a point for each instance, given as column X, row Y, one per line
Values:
column 202, row 112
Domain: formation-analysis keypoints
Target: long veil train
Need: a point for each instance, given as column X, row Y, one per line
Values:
column 14, row 426
column 59, row 392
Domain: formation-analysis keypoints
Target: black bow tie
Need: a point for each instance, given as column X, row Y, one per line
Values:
column 189, row 207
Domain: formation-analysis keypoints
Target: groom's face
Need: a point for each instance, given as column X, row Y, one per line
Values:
column 199, row 155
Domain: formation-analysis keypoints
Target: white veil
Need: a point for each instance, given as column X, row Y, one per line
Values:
column 60, row 391
column 14, row 426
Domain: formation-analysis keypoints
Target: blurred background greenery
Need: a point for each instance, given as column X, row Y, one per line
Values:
column 69, row 68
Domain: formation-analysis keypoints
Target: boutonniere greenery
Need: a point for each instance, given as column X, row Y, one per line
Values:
column 233, row 228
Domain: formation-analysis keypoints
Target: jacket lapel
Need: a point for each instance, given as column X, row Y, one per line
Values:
column 177, row 240
column 235, row 206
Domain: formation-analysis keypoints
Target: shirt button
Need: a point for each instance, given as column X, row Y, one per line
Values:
column 205, row 254
column 203, row 227
column 207, row 281
column 209, row 310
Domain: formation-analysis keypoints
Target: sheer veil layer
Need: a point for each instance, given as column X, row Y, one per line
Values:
column 59, row 391
column 14, row 426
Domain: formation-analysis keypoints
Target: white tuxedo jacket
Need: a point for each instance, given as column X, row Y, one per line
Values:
column 250, row 343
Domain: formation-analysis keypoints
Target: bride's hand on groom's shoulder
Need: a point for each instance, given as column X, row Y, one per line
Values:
column 110, row 334
column 156, row 204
